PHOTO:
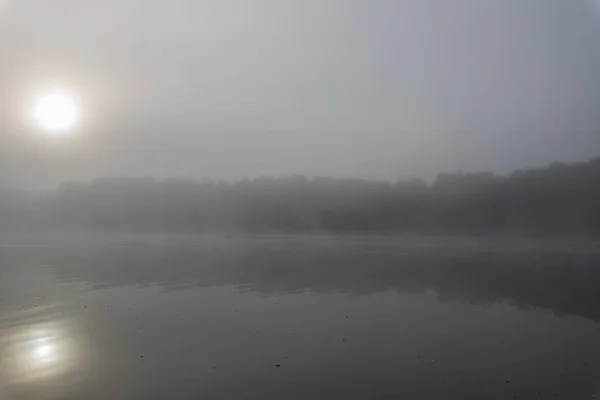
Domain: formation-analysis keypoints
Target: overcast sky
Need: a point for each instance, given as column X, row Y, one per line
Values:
column 367, row 88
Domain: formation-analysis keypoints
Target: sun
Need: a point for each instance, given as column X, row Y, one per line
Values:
column 56, row 113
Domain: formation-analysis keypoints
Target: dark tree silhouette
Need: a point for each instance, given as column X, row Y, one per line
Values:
column 558, row 200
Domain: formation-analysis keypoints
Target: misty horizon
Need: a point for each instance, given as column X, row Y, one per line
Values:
column 51, row 185
column 558, row 200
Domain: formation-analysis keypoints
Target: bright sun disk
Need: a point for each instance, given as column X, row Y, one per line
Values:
column 55, row 112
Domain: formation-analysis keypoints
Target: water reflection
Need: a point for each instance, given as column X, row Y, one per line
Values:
column 564, row 282
column 342, row 322
column 44, row 349
column 33, row 352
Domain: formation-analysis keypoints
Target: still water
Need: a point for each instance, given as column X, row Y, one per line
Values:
column 248, row 317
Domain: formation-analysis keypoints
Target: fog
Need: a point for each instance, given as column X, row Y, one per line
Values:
column 559, row 201
column 299, row 199
column 346, row 88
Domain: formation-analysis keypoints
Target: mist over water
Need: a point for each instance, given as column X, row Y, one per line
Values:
column 315, row 199
column 271, row 316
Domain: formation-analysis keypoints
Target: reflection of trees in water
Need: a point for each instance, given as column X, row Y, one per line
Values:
column 565, row 283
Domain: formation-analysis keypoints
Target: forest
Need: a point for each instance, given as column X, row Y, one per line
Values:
column 558, row 200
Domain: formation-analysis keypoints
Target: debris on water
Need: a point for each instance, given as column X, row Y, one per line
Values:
column 277, row 365
column 343, row 340
column 214, row 367
column 507, row 381
column 433, row 360
column 418, row 356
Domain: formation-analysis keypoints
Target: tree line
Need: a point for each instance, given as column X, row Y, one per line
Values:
column 561, row 199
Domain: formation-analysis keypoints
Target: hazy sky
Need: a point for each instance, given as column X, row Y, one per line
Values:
column 369, row 88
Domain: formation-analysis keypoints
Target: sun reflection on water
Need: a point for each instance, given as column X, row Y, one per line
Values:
column 37, row 352
column 43, row 351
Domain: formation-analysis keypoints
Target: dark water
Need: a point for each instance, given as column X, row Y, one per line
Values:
column 299, row 318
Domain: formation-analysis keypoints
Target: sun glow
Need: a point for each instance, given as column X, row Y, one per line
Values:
column 56, row 113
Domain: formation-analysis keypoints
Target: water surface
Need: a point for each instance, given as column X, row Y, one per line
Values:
column 248, row 317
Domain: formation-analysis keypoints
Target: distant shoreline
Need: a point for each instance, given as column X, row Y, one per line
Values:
column 434, row 244
column 560, row 201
